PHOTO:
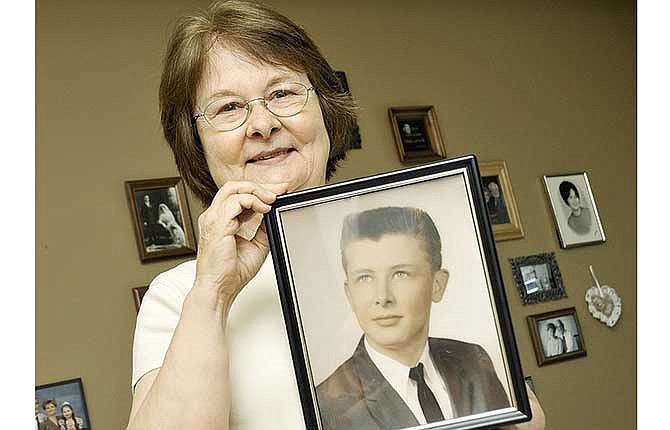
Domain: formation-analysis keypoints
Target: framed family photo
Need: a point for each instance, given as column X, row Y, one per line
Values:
column 556, row 336
column 538, row 278
column 417, row 134
column 575, row 213
column 161, row 218
column 500, row 202
column 397, row 271
column 61, row 405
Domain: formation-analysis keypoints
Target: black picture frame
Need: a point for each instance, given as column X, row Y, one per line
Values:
column 70, row 392
column 303, row 225
column 546, row 353
column 547, row 285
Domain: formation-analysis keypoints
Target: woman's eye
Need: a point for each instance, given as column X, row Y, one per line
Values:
column 230, row 107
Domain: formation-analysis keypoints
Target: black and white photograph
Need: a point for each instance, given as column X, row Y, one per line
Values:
column 61, row 406
column 500, row 201
column 161, row 218
column 556, row 336
column 574, row 207
column 406, row 300
column 538, row 278
column 417, row 134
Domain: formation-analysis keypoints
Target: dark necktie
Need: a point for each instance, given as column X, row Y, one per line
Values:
column 431, row 410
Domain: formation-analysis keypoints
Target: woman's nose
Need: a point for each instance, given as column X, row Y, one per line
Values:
column 261, row 122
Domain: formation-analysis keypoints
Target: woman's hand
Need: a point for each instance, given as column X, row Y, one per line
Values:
column 226, row 262
column 538, row 420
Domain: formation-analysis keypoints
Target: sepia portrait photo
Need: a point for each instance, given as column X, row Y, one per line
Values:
column 398, row 316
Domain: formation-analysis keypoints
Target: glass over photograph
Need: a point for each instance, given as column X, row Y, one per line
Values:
column 398, row 318
column 575, row 213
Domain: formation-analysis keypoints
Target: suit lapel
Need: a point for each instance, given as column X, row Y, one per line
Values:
column 383, row 402
column 451, row 372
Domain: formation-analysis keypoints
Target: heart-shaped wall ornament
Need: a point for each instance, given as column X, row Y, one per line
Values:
column 604, row 303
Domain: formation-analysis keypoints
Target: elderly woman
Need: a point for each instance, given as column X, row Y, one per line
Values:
column 251, row 109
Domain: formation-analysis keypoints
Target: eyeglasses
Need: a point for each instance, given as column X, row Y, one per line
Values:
column 231, row 112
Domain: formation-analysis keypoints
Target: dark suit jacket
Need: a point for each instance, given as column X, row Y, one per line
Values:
column 357, row 397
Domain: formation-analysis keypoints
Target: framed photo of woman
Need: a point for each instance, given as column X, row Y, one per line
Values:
column 61, row 405
column 575, row 212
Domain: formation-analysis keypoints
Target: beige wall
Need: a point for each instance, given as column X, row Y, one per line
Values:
column 547, row 86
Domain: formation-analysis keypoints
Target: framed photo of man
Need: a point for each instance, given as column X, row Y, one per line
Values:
column 394, row 304
column 500, row 202
column 575, row 212
column 538, row 278
column 61, row 405
column 417, row 133
column 556, row 336
column 161, row 218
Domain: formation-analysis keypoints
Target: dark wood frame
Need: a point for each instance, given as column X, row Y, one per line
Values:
column 428, row 115
column 283, row 271
column 548, row 258
column 138, row 295
column 513, row 229
column 533, row 321
column 80, row 385
column 152, row 184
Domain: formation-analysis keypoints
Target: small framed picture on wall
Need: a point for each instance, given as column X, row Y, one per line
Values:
column 161, row 218
column 538, row 278
column 417, row 134
column 61, row 405
column 500, row 202
column 556, row 336
column 575, row 212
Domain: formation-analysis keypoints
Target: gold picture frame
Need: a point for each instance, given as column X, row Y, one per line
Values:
column 417, row 134
column 502, row 210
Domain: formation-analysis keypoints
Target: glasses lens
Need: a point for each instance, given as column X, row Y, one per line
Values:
column 226, row 113
column 286, row 99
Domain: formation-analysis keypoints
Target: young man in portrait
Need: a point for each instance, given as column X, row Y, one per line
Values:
column 398, row 376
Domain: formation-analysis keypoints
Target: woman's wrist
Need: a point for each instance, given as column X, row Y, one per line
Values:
column 206, row 299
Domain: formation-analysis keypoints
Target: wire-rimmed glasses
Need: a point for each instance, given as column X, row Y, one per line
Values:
column 230, row 112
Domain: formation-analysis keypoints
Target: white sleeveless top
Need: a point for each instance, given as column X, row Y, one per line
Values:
column 263, row 385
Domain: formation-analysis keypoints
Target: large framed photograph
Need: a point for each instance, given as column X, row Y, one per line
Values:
column 575, row 213
column 500, row 202
column 538, row 278
column 61, row 405
column 556, row 336
column 417, row 133
column 394, row 303
column 161, row 218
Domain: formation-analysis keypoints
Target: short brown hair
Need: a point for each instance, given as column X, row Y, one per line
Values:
column 264, row 35
column 374, row 223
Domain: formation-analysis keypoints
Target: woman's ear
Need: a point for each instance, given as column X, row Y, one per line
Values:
column 440, row 280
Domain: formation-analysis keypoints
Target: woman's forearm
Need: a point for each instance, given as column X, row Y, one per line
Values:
column 191, row 389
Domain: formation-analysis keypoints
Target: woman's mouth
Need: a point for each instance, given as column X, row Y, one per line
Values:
column 271, row 157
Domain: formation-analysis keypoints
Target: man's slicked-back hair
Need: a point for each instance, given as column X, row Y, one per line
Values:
column 263, row 35
column 374, row 223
